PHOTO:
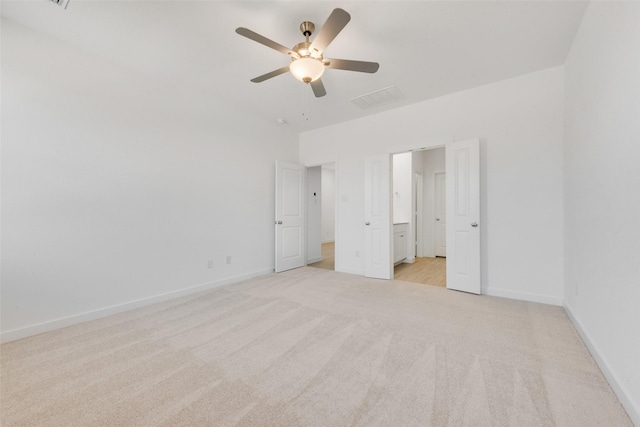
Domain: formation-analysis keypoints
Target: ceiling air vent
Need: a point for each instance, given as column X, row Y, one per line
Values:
column 379, row 97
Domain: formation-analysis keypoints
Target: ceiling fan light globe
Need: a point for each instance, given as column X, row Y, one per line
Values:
column 306, row 70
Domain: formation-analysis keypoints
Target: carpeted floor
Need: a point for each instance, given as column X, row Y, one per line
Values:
column 312, row 347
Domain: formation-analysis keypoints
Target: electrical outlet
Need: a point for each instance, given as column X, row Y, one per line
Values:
column 210, row 263
column 228, row 261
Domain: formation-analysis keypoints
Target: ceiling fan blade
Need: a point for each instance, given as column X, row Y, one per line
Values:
column 318, row 88
column 335, row 23
column 349, row 65
column 270, row 75
column 265, row 41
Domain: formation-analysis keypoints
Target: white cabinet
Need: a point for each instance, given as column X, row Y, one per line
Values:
column 400, row 236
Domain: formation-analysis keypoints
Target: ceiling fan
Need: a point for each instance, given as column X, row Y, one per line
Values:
column 307, row 62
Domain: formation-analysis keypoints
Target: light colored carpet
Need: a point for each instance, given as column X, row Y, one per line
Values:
column 312, row 347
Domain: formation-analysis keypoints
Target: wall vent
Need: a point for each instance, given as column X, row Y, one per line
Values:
column 379, row 97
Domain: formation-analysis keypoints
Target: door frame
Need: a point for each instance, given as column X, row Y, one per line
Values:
column 335, row 210
column 418, row 227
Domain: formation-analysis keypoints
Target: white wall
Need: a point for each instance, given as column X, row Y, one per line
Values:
column 432, row 161
column 402, row 188
column 314, row 214
column 328, row 179
column 520, row 125
column 602, row 192
column 118, row 187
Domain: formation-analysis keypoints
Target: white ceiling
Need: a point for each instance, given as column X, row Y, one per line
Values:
column 425, row 48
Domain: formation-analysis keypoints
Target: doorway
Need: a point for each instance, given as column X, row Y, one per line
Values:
column 321, row 216
column 462, row 163
column 421, row 173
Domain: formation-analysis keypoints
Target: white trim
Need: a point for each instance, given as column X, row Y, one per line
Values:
column 523, row 296
column 316, row 259
column 623, row 394
column 51, row 325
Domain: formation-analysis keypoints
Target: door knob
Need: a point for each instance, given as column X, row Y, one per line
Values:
column 278, row 222
column 474, row 224
column 367, row 223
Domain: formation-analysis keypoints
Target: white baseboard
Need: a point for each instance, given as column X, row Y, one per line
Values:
column 523, row 296
column 51, row 325
column 632, row 408
column 316, row 259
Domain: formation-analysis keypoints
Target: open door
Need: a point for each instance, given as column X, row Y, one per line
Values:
column 440, row 210
column 289, row 221
column 377, row 218
column 463, row 215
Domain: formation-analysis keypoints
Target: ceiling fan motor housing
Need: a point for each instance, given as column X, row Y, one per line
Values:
column 307, row 28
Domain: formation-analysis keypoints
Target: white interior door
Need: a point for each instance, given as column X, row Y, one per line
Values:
column 463, row 215
column 377, row 218
column 289, row 221
column 440, row 214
